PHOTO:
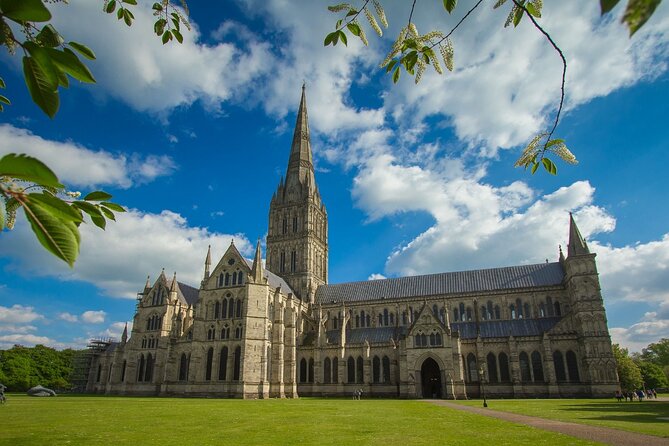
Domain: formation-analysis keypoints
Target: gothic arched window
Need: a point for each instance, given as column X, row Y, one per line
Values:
column 537, row 367
column 327, row 377
column 524, row 362
column 572, row 366
column 210, row 360
column 359, row 370
column 183, row 367
column 491, row 361
column 504, row 375
column 376, row 369
column 237, row 364
column 350, row 368
column 223, row 364
column 303, row 370
column 239, row 308
column 558, row 364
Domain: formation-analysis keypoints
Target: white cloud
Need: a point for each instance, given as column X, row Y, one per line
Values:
column 76, row 165
column 114, row 331
column 27, row 340
column 118, row 259
column 18, row 314
column 376, row 276
column 93, row 317
column 134, row 66
column 651, row 328
column 68, row 317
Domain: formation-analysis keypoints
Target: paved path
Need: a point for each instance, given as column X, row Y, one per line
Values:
column 587, row 432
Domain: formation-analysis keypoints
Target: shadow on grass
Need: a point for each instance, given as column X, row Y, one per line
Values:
column 629, row 412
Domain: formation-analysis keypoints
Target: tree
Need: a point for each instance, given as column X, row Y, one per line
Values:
column 414, row 52
column 652, row 374
column 53, row 212
column 24, row 367
column 629, row 374
column 657, row 352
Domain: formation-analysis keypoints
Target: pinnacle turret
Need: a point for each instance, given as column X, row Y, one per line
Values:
column 173, row 286
column 257, row 269
column 577, row 244
column 207, row 263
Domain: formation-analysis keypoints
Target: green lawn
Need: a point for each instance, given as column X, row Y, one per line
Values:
column 90, row 420
column 645, row 417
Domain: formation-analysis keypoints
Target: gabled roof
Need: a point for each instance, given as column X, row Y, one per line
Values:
column 504, row 328
column 462, row 282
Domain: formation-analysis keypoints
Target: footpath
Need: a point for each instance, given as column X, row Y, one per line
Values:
column 585, row 431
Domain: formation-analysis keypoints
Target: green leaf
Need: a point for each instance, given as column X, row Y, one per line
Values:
column 128, row 17
column 109, row 214
column 157, row 7
column 342, row 36
column 534, row 167
column 517, row 16
column 4, row 100
column 178, row 36
column 167, row 36
column 450, row 5
column 549, row 166
column 533, row 10
column 68, row 62
column 130, row 2
column 56, row 207
column 61, row 238
column 49, row 37
column 98, row 195
column 119, row 13
column 159, row 26
column 552, row 142
column 354, row 28
column 638, row 12
column 330, row 38
column 27, row 168
column 113, row 206
column 96, row 215
column 111, row 7
column 25, row 10
column 42, row 92
column 2, row 83
column 42, row 57
column 391, row 64
column 83, row 50
column 396, row 75
column 607, row 5
column 62, row 79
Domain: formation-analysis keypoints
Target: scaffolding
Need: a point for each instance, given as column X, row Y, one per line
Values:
column 82, row 361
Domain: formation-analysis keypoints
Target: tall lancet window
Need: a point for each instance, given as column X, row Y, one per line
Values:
column 293, row 261
column 282, row 262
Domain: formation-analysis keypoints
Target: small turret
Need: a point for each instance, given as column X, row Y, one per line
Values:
column 577, row 245
column 207, row 263
column 124, row 336
column 257, row 269
column 174, row 288
column 147, row 286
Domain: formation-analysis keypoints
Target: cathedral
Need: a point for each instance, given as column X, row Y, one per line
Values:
column 279, row 330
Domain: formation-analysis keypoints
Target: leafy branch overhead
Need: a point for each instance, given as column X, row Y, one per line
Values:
column 413, row 52
column 26, row 182
column 49, row 61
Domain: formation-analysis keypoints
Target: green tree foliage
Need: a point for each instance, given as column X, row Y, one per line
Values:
column 629, row 374
column 49, row 62
column 22, row 368
column 657, row 352
column 652, row 374
column 412, row 52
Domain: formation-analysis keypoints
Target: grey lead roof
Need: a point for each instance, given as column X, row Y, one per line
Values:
column 189, row 293
column 372, row 335
column 505, row 328
column 482, row 280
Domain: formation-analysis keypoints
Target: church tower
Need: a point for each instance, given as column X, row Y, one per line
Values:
column 297, row 236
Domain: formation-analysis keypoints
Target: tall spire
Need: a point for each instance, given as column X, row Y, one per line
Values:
column 207, row 263
column 173, row 286
column 124, row 336
column 256, row 269
column 301, row 160
column 577, row 245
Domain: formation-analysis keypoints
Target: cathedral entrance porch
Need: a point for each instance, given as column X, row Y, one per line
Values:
column 430, row 378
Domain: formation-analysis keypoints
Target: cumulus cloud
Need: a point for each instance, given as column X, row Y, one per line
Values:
column 135, row 67
column 76, row 165
column 516, row 73
column 376, row 276
column 118, row 259
column 68, row 317
column 93, row 317
column 18, row 314
column 28, row 340
column 652, row 327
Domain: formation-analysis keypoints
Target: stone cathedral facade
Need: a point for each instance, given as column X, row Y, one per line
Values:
column 280, row 330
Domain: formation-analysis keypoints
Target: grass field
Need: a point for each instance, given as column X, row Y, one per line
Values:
column 96, row 420
column 647, row 417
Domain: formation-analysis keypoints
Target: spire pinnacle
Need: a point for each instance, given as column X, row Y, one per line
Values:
column 301, row 160
column 173, row 286
column 256, row 269
column 124, row 336
column 207, row 263
column 577, row 244
column 147, row 286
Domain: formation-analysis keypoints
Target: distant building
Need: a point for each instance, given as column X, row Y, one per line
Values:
column 282, row 331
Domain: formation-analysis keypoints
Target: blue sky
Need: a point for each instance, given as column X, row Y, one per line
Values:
column 193, row 139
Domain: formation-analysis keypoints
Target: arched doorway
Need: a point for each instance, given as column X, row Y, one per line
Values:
column 430, row 378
